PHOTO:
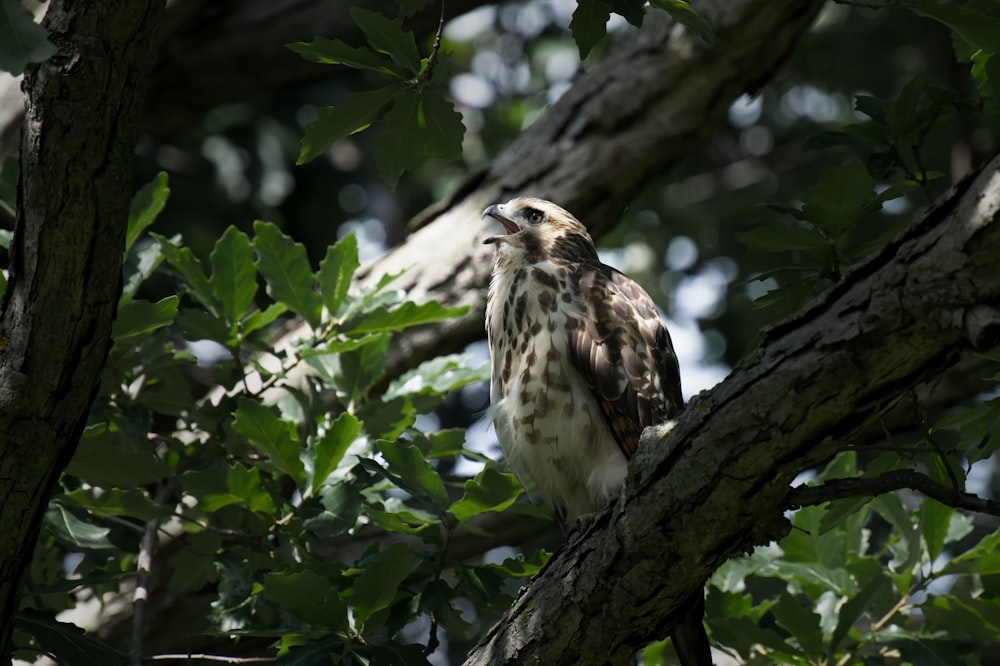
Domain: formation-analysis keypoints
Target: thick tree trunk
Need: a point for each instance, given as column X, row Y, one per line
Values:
column 83, row 110
column 719, row 482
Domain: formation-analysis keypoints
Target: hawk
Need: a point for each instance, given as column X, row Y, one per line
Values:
column 581, row 364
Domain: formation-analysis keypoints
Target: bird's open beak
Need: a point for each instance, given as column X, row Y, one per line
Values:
column 509, row 225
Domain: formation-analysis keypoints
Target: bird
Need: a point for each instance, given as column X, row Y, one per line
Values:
column 581, row 363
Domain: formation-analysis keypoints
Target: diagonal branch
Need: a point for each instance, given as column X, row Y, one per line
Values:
column 718, row 484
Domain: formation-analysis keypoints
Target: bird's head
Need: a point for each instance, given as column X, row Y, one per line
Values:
column 535, row 230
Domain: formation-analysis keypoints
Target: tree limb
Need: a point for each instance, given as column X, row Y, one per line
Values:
column 887, row 483
column 83, row 107
column 717, row 485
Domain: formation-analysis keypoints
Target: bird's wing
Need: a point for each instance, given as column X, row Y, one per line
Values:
column 622, row 349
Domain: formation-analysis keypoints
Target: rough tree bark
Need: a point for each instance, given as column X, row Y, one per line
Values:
column 719, row 482
column 83, row 107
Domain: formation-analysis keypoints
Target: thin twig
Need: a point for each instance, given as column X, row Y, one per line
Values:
column 436, row 49
column 210, row 657
column 887, row 483
column 144, row 565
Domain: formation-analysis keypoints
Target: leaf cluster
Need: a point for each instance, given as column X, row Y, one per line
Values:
column 417, row 121
column 253, row 490
column 862, row 581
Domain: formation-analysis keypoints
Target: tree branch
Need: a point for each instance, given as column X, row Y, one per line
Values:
column 887, row 483
column 818, row 381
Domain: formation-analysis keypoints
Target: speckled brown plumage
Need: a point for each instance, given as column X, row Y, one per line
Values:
column 582, row 362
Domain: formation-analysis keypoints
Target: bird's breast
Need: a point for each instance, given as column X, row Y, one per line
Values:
column 547, row 420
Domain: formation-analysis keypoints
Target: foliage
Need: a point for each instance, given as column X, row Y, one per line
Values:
column 254, row 480
column 418, row 122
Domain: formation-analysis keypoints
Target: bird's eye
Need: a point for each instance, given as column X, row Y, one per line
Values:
column 534, row 216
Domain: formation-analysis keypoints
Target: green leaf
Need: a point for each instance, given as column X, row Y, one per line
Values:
column 341, row 505
column 71, row 529
column 234, row 279
column 190, row 269
column 200, row 325
column 880, row 164
column 410, row 7
column 443, row 444
column 858, row 605
column 407, row 315
column 275, row 437
column 117, row 502
column 826, row 578
column 975, row 22
column 399, row 147
column 285, row 267
column 908, row 549
column 146, row 205
column 437, row 377
column 336, row 271
column 380, row 580
column 838, row 510
column 261, row 318
column 983, row 558
column 904, row 114
column 137, row 317
column 137, row 267
column 330, row 448
column 395, row 516
column 22, row 41
column 839, row 198
column 354, row 370
column 310, row 597
column 222, row 485
column 408, row 469
column 109, row 459
column 387, row 36
column 521, row 567
column 443, row 129
column 682, row 13
column 335, row 52
column 356, row 112
column 490, row 490
column 771, row 238
column 872, row 107
column 313, row 653
column 633, row 11
column 925, row 651
column 977, row 618
column 784, row 301
column 63, row 640
column 588, row 25
column 802, row 622
column 935, row 518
